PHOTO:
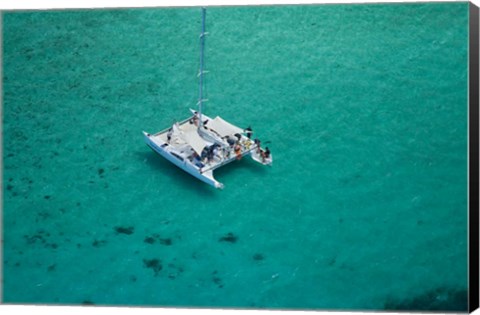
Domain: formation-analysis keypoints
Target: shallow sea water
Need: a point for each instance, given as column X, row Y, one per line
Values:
column 364, row 108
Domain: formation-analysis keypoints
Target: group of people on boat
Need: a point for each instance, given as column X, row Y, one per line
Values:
column 209, row 153
column 264, row 154
column 223, row 147
column 215, row 150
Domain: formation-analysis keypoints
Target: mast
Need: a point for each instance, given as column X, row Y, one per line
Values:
column 202, row 48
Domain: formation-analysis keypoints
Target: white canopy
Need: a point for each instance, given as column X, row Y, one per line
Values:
column 222, row 127
column 194, row 140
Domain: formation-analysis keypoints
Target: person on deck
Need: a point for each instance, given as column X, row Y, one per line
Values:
column 238, row 150
column 257, row 143
column 248, row 131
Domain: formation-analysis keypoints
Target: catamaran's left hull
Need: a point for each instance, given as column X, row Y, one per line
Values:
column 184, row 164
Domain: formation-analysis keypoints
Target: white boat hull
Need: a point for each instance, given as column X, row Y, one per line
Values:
column 258, row 158
column 206, row 177
column 183, row 146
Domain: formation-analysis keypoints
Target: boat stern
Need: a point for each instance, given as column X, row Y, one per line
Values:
column 258, row 157
column 209, row 179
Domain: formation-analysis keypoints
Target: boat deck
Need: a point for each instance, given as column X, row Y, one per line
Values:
column 186, row 134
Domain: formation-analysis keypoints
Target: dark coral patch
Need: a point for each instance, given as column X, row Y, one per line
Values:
column 44, row 215
column 124, row 230
column 39, row 237
column 165, row 241
column 258, row 257
column 98, row 243
column 440, row 299
column 156, row 238
column 154, row 264
column 230, row 237
column 101, row 171
column 332, row 261
column 149, row 240
column 218, row 281
column 174, row 270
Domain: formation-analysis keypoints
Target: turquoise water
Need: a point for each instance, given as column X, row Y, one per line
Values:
column 364, row 108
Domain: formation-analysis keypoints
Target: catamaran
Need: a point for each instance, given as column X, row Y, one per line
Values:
column 199, row 144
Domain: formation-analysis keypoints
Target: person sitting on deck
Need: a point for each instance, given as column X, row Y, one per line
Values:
column 203, row 156
column 169, row 135
column 257, row 143
column 216, row 151
column 230, row 141
column 195, row 119
column 210, row 153
column 265, row 154
column 238, row 150
column 248, row 131
column 195, row 159
column 226, row 153
column 211, row 130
